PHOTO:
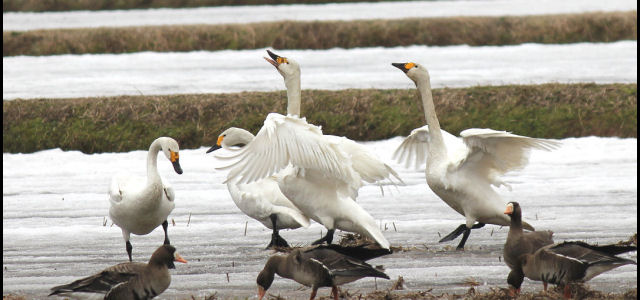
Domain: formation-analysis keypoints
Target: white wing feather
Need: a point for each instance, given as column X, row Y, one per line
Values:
column 413, row 150
column 288, row 139
column 367, row 164
column 493, row 153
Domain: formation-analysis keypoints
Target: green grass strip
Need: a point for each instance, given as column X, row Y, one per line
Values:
column 475, row 31
column 132, row 122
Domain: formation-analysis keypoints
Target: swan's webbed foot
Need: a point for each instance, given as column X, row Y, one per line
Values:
column 454, row 234
column 165, row 225
column 327, row 238
column 277, row 241
column 464, row 230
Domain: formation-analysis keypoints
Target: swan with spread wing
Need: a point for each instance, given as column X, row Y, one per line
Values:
column 462, row 170
column 321, row 174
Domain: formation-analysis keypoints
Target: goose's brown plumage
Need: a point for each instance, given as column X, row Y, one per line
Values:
column 570, row 262
column 128, row 280
column 519, row 243
column 321, row 266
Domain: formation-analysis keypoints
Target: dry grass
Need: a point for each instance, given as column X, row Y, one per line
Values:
column 587, row 27
column 125, row 123
column 578, row 292
column 62, row 5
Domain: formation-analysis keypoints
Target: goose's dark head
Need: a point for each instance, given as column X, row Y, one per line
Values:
column 513, row 210
column 265, row 279
column 166, row 255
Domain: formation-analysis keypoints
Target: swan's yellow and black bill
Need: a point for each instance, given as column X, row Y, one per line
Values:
column 275, row 59
column 175, row 160
column 509, row 209
column 405, row 67
column 219, row 142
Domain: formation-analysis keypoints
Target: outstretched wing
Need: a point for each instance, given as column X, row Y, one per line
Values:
column 284, row 140
column 413, row 149
column 493, row 153
column 363, row 161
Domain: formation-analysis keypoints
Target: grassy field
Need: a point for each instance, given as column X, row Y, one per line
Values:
column 475, row 31
column 126, row 123
column 61, row 5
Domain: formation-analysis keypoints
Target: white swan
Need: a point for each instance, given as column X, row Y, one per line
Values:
column 262, row 199
column 461, row 170
column 138, row 204
column 320, row 174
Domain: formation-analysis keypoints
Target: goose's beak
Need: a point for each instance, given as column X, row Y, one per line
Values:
column 261, row 292
column 509, row 209
column 175, row 160
column 400, row 66
column 179, row 258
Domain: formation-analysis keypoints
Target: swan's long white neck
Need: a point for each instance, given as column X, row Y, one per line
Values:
column 152, row 163
column 293, row 95
column 436, row 143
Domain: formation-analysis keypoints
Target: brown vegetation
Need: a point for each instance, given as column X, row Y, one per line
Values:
column 61, row 5
column 587, row 27
column 126, row 123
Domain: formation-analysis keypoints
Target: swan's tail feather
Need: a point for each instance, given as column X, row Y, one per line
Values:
column 372, row 231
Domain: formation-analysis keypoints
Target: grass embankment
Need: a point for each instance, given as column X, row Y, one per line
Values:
column 131, row 122
column 475, row 31
column 62, row 5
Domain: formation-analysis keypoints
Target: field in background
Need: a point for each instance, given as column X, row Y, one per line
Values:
column 474, row 31
column 62, row 5
column 125, row 123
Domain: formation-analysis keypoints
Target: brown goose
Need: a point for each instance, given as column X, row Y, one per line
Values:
column 569, row 262
column 520, row 243
column 128, row 280
column 321, row 266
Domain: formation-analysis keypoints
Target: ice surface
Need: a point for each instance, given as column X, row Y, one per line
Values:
column 150, row 73
column 55, row 203
column 331, row 11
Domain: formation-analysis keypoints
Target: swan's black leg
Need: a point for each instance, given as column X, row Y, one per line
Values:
column 129, row 249
column 327, row 238
column 276, row 239
column 462, row 229
column 165, row 224
column 454, row 234
column 477, row 225
column 465, row 236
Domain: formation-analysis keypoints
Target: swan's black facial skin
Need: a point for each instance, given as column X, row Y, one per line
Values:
column 401, row 66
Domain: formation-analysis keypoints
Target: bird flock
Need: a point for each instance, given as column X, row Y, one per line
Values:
column 290, row 173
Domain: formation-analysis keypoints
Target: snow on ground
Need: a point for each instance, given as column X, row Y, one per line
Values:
column 332, row 11
column 150, row 73
column 55, row 203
